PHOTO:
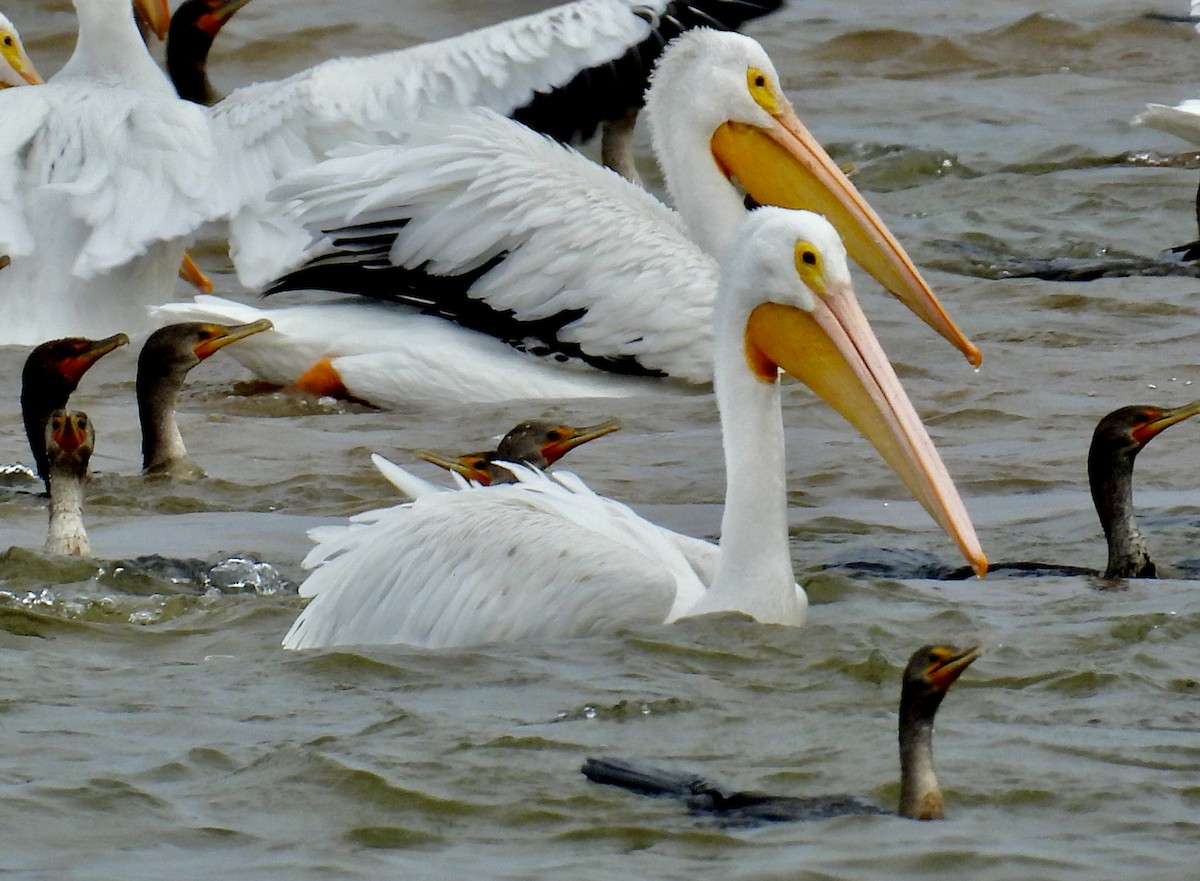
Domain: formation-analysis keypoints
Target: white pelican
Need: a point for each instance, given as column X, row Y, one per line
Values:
column 95, row 200
column 104, row 175
column 549, row 266
column 15, row 67
column 547, row 558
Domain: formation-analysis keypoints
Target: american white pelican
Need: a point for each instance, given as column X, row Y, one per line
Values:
column 547, row 558
column 104, row 175
column 563, row 71
column 52, row 371
column 536, row 443
column 95, row 201
column 560, row 278
column 930, row 672
column 164, row 363
column 15, row 67
column 69, row 441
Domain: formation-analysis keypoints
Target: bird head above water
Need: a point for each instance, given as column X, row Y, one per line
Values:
column 536, row 443
column 166, row 358
column 69, row 440
column 51, row 373
column 1117, row 440
column 930, row 672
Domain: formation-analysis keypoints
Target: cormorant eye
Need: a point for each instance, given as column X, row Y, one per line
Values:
column 553, row 435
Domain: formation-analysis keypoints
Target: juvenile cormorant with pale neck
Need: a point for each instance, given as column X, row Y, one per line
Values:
column 931, row 671
column 536, row 443
column 69, row 440
column 163, row 365
column 51, row 373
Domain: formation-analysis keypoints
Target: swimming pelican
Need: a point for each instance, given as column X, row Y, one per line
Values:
column 16, row 69
column 105, row 172
column 563, row 71
column 930, row 672
column 559, row 278
column 547, row 558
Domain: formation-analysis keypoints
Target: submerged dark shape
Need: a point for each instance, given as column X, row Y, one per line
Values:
column 536, row 443
column 51, row 373
column 163, row 365
column 930, row 672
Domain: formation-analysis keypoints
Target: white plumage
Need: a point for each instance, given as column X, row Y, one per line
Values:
column 547, row 558
column 93, row 236
column 626, row 283
column 105, row 175
column 1182, row 119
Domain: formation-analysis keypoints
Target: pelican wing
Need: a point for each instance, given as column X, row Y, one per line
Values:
column 562, row 71
column 453, row 568
column 484, row 222
column 68, row 146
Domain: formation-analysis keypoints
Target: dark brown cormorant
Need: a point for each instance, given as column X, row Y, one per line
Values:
column 535, row 443
column 163, row 365
column 931, row 671
column 1118, row 438
column 194, row 26
column 51, row 373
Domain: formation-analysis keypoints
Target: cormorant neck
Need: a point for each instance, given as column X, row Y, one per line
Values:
column 1111, row 480
column 40, row 397
column 158, row 390
column 66, row 534
column 187, row 59
column 920, row 795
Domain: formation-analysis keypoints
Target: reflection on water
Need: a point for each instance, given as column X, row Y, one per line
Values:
column 154, row 724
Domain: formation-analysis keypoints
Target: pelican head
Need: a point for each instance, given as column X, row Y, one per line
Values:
column 722, row 86
column 785, row 281
column 15, row 67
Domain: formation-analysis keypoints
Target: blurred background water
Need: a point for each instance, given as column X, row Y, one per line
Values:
column 153, row 726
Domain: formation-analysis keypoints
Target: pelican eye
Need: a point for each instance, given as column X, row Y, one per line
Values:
column 810, row 266
column 8, row 40
column 762, row 90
